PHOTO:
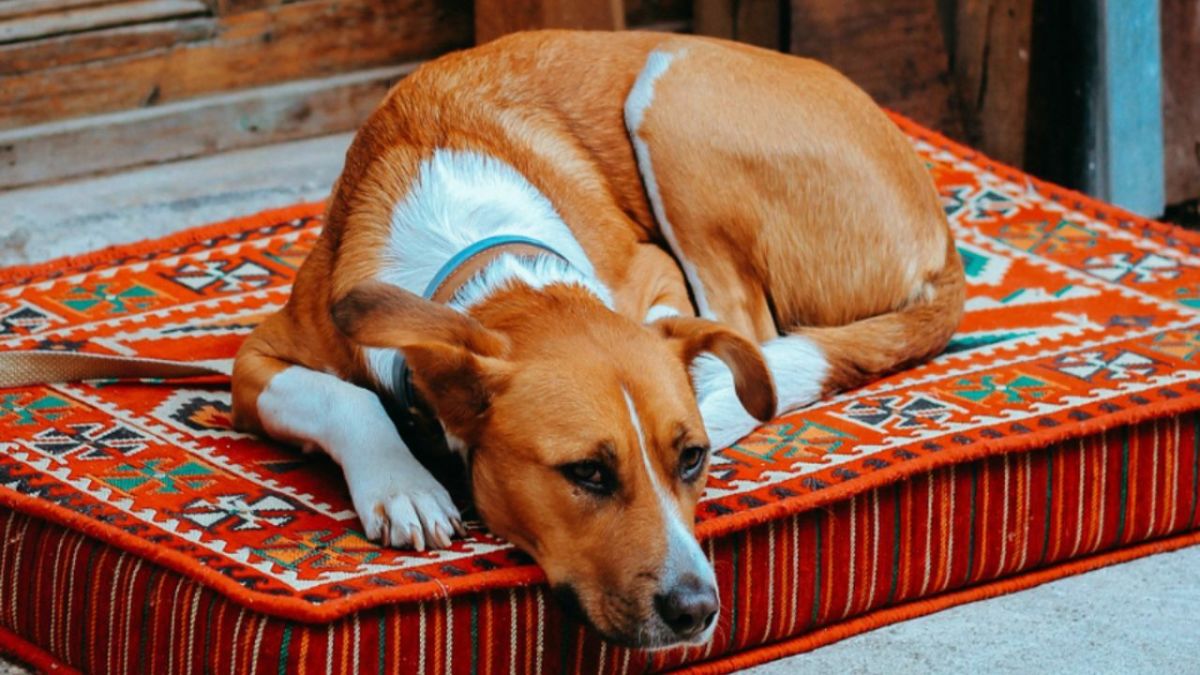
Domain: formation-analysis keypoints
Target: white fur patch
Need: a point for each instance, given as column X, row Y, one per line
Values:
column 797, row 366
column 640, row 98
column 457, row 445
column 683, row 551
column 382, row 362
column 658, row 312
column 397, row 499
column 461, row 197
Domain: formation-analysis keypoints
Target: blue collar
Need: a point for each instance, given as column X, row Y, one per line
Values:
column 407, row 409
column 478, row 248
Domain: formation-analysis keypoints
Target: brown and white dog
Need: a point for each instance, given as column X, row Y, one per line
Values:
column 693, row 235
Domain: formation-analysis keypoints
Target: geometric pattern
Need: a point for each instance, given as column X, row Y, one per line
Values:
column 198, row 413
column 1138, row 268
column 997, row 389
column 1079, row 318
column 159, row 476
column 222, row 276
column 915, row 411
column 239, row 513
column 23, row 320
column 321, row 550
column 89, row 440
column 1120, row 364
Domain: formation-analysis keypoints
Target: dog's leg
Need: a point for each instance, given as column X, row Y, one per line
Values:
column 798, row 367
column 399, row 502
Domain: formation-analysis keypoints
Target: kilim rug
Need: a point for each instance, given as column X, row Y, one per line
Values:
column 1058, row 433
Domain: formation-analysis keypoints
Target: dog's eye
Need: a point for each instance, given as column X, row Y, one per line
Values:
column 691, row 461
column 590, row 475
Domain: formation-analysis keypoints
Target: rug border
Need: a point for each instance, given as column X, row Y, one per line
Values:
column 925, row 606
column 30, row 655
column 297, row 609
column 1072, row 198
column 32, row 272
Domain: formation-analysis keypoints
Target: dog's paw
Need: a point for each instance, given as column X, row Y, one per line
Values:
column 404, row 507
column 416, row 521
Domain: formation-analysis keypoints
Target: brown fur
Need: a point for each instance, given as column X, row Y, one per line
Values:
column 801, row 204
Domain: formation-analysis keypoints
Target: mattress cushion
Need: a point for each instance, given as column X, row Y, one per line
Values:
column 1077, row 351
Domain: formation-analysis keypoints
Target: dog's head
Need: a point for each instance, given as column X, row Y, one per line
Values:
column 585, row 441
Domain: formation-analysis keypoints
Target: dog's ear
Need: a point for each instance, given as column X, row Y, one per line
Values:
column 458, row 383
column 375, row 314
column 456, row 362
column 752, row 380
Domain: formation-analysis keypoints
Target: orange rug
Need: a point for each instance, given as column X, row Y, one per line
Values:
column 1057, row 433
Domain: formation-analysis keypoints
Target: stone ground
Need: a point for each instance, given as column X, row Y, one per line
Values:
column 1142, row 616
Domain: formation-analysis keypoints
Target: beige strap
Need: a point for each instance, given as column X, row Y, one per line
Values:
column 29, row 367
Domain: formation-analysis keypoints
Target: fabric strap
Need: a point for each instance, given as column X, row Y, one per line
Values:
column 29, row 367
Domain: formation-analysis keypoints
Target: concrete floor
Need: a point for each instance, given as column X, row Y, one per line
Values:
column 1143, row 616
column 69, row 218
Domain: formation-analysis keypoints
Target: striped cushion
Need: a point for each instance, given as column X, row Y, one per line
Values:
column 1057, row 434
column 964, row 526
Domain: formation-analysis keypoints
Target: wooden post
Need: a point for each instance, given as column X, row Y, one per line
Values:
column 1095, row 100
column 990, row 56
column 494, row 18
column 1181, row 98
column 1128, row 144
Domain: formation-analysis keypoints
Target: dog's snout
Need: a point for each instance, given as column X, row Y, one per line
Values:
column 689, row 608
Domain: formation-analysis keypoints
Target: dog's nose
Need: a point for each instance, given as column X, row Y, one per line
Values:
column 689, row 608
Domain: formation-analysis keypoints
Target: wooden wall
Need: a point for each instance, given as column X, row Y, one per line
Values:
column 96, row 85
column 166, row 79
column 1022, row 80
column 113, row 55
column 959, row 66
column 1181, row 98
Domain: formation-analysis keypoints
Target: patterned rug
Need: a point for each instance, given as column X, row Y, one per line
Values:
column 1056, row 433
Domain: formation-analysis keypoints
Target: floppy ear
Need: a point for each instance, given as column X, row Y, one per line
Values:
column 375, row 314
column 454, row 359
column 752, row 380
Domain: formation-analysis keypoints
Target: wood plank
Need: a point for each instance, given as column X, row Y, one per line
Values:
column 100, row 45
column 192, row 128
column 295, row 41
column 894, row 50
column 756, row 22
column 99, row 16
column 494, row 18
column 1181, row 98
column 13, row 8
column 991, row 73
column 228, row 7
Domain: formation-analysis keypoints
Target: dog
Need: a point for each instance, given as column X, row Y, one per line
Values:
column 591, row 258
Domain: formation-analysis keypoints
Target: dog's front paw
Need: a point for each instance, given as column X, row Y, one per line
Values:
column 404, row 507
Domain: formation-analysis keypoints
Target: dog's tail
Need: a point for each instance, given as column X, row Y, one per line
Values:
column 865, row 350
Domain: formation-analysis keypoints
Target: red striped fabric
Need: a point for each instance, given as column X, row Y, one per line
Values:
column 99, row 609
